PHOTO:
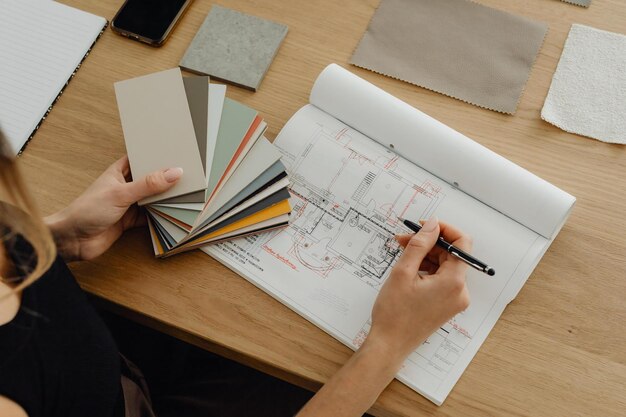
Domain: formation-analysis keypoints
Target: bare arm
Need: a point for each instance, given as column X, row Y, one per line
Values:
column 9, row 408
column 357, row 385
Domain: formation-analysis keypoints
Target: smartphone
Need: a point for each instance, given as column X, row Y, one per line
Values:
column 148, row 21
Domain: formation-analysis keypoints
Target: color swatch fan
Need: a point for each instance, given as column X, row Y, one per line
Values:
column 233, row 184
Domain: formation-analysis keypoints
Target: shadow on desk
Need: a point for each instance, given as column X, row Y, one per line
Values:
column 187, row 381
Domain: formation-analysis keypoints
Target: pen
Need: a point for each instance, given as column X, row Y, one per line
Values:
column 453, row 250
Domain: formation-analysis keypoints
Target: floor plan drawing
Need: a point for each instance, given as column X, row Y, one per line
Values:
column 358, row 159
column 339, row 231
column 335, row 226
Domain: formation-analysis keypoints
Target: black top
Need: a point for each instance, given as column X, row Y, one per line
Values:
column 57, row 357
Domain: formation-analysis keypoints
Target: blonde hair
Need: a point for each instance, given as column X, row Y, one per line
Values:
column 20, row 217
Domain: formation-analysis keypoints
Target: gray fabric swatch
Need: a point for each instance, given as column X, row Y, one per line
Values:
column 234, row 47
column 583, row 3
column 455, row 47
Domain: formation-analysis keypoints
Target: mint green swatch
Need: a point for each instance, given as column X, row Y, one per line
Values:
column 235, row 122
column 185, row 216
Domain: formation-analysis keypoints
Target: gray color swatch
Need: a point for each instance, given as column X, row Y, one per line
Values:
column 455, row 47
column 262, row 155
column 271, row 200
column 167, row 241
column 269, row 176
column 234, row 47
column 197, row 91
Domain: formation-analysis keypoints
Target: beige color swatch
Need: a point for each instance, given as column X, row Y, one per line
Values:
column 158, row 130
column 455, row 47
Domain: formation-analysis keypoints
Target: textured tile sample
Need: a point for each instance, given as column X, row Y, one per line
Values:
column 234, row 47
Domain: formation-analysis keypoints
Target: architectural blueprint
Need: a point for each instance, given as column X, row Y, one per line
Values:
column 330, row 262
column 358, row 158
column 337, row 227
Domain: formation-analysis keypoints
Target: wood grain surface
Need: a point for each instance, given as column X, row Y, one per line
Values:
column 559, row 348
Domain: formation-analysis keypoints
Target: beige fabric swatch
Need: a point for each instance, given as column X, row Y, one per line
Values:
column 455, row 47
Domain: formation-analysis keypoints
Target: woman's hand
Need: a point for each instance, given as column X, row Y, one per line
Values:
column 412, row 305
column 409, row 308
column 91, row 223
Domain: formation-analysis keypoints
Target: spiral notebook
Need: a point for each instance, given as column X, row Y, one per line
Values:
column 42, row 44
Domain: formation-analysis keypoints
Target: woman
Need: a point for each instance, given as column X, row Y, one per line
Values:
column 58, row 358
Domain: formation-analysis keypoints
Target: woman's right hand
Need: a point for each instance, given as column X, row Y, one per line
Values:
column 411, row 305
column 409, row 308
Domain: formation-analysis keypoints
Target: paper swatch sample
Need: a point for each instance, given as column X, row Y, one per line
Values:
column 239, row 186
column 158, row 130
column 588, row 91
column 197, row 92
column 217, row 94
column 235, row 123
column 459, row 48
column 234, row 47
column 261, row 157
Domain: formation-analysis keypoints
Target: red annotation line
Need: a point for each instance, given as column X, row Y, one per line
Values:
column 461, row 330
column 279, row 257
column 391, row 162
column 409, row 203
column 341, row 133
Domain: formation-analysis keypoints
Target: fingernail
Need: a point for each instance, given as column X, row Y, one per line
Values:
column 431, row 224
column 173, row 174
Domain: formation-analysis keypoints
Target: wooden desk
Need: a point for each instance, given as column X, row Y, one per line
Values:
column 560, row 347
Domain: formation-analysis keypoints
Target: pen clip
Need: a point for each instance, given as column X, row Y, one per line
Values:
column 468, row 261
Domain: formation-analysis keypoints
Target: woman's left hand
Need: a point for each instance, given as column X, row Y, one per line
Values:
column 95, row 220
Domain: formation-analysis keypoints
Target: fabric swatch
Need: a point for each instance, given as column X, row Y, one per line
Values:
column 583, row 3
column 588, row 91
column 455, row 47
column 234, row 47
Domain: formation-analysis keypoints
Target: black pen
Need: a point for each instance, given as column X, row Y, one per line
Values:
column 453, row 250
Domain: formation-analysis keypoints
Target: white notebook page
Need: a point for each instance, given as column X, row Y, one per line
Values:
column 42, row 43
column 442, row 151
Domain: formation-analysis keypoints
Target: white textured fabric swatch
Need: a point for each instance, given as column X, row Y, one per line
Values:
column 588, row 91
